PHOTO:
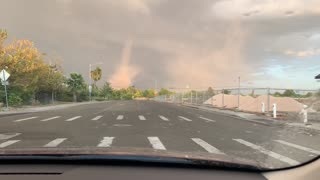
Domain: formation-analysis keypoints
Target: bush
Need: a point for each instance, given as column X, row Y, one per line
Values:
column 14, row 100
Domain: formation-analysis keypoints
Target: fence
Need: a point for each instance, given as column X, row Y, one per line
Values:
column 247, row 98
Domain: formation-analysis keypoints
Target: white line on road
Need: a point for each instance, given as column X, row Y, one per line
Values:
column 8, row 136
column 269, row 153
column 8, row 143
column 55, row 142
column 206, row 146
column 164, row 118
column 142, row 118
column 120, row 117
column 299, row 147
column 74, row 118
column 48, row 119
column 96, row 118
column 19, row 120
column 106, row 142
column 184, row 118
column 210, row 120
column 156, row 143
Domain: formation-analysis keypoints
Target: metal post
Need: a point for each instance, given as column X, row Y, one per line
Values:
column 268, row 100
column 5, row 89
column 203, row 97
column 90, row 82
column 196, row 97
column 222, row 98
column 238, row 92
column 191, row 97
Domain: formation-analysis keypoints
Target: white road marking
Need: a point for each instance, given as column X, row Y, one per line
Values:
column 74, row 118
column 210, row 120
column 142, row 118
column 122, row 125
column 48, row 119
column 206, row 146
column 8, row 143
column 164, row 118
column 269, row 153
column 25, row 119
column 55, row 142
column 184, row 118
column 156, row 143
column 106, row 142
column 120, row 117
column 299, row 147
column 96, row 118
column 8, row 135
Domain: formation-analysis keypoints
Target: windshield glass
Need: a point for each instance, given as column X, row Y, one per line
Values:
column 230, row 80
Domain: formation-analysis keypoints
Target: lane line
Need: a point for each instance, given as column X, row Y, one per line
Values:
column 142, row 118
column 55, row 142
column 74, row 118
column 206, row 146
column 120, row 117
column 163, row 118
column 25, row 119
column 184, row 118
column 8, row 136
column 299, row 147
column 106, row 142
column 156, row 143
column 269, row 153
column 8, row 143
column 48, row 119
column 207, row 119
column 96, row 118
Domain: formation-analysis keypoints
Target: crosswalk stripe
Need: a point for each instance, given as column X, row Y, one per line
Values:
column 299, row 147
column 55, row 142
column 8, row 143
column 48, row 119
column 164, row 118
column 106, row 142
column 120, row 117
column 156, row 143
column 19, row 120
column 184, row 118
column 207, row 119
column 74, row 118
column 96, row 118
column 269, row 153
column 142, row 118
column 206, row 146
column 8, row 136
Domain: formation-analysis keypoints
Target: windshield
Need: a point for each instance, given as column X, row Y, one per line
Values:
column 224, row 80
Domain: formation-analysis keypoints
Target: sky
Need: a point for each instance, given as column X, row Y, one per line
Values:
column 174, row 43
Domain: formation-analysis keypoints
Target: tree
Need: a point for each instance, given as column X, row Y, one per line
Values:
column 96, row 75
column 76, row 84
column 225, row 91
column 210, row 92
column 106, row 91
column 289, row 93
column 149, row 93
column 164, row 91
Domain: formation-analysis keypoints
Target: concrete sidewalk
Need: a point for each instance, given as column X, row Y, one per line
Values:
column 43, row 108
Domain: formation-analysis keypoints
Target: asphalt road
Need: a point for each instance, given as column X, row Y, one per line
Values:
column 162, row 127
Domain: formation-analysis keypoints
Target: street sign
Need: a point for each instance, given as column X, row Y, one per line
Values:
column 5, row 83
column 4, row 75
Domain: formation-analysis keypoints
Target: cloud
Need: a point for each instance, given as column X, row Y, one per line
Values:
column 303, row 54
column 266, row 9
column 138, row 6
column 125, row 72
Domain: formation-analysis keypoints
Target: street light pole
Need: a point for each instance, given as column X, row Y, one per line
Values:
column 5, row 88
column 238, row 92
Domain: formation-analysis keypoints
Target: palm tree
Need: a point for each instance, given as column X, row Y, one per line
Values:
column 96, row 75
column 76, row 84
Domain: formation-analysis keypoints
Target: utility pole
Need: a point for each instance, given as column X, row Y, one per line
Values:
column 238, row 92
column 90, row 86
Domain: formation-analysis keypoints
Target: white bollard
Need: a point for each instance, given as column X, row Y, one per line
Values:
column 274, row 108
column 263, row 107
column 304, row 113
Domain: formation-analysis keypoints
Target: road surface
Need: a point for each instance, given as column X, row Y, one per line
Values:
column 159, row 126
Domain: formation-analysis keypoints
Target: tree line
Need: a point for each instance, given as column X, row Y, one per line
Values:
column 33, row 80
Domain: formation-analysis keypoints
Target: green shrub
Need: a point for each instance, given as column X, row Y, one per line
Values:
column 14, row 100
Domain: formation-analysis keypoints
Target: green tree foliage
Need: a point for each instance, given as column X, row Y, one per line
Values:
column 76, row 85
column 149, row 93
column 106, row 91
column 164, row 91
